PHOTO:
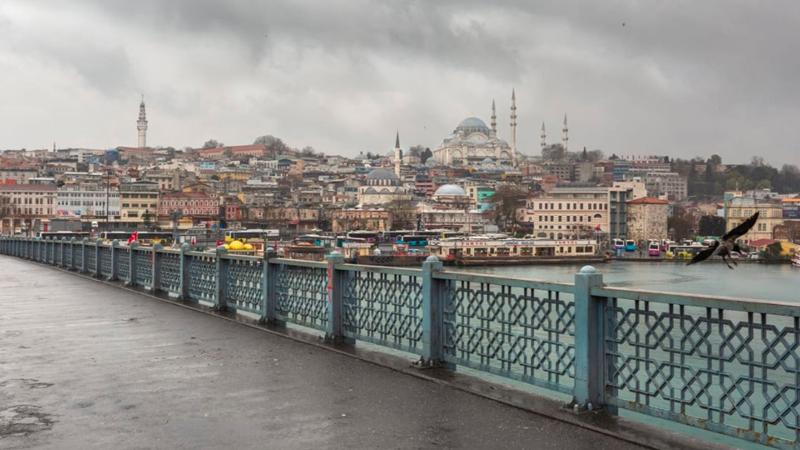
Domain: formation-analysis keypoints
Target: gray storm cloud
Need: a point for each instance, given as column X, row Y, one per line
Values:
column 680, row 78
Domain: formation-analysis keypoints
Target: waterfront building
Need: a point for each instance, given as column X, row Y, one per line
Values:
column 88, row 200
column 199, row 206
column 618, row 197
column 138, row 202
column 647, row 219
column 738, row 209
column 349, row 219
column 26, row 208
column 565, row 212
column 671, row 185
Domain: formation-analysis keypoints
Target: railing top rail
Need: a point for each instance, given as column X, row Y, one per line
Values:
column 381, row 269
column 240, row 257
column 299, row 262
column 730, row 303
column 507, row 281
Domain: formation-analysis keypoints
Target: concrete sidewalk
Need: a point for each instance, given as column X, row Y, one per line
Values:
column 87, row 365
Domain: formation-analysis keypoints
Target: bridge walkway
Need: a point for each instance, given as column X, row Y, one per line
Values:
column 87, row 365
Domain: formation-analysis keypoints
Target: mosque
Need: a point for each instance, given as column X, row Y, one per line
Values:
column 473, row 143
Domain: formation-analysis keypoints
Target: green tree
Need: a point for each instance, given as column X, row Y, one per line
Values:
column 505, row 202
column 712, row 226
column 425, row 155
column 212, row 143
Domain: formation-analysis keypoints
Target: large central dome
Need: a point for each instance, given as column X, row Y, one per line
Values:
column 472, row 125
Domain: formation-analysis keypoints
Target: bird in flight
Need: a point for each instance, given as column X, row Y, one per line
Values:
column 727, row 244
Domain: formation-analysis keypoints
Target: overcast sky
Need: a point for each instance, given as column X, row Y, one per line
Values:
column 683, row 78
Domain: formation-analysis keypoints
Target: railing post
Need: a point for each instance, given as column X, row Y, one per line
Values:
column 132, row 264
column 268, row 289
column 155, row 280
column 62, row 248
column 334, row 331
column 220, row 303
column 589, row 341
column 432, row 314
column 98, row 267
column 83, row 255
column 114, row 260
column 183, row 292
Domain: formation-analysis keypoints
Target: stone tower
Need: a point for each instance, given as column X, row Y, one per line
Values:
column 141, row 125
column 398, row 155
column 565, row 135
column 543, row 136
column 513, row 127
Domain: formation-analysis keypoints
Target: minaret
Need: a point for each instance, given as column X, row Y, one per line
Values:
column 543, row 136
column 565, row 135
column 141, row 125
column 513, row 127
column 494, row 119
column 398, row 155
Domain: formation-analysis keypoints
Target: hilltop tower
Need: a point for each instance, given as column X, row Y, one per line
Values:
column 494, row 119
column 543, row 136
column 398, row 154
column 513, row 127
column 141, row 125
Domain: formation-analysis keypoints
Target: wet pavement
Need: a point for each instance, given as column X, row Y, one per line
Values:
column 87, row 365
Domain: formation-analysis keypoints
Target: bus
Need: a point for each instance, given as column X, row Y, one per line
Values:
column 143, row 237
column 368, row 236
column 254, row 233
column 618, row 244
column 630, row 245
column 413, row 240
column 64, row 235
column 654, row 249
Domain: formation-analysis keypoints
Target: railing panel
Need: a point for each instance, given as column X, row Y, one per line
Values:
column 244, row 289
column 382, row 307
column 301, row 295
column 735, row 372
column 202, row 277
column 518, row 332
column 169, row 279
column 68, row 255
column 123, row 263
column 105, row 261
column 91, row 259
column 143, row 259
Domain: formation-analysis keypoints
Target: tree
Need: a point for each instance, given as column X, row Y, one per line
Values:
column 426, row 155
column 680, row 224
column 308, row 151
column 416, row 150
column 147, row 218
column 773, row 251
column 505, row 202
column 554, row 152
column 212, row 143
column 404, row 214
column 275, row 146
column 715, row 159
column 712, row 226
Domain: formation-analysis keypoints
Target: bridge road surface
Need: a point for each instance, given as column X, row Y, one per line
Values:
column 84, row 365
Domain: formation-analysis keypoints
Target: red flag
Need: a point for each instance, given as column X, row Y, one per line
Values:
column 133, row 237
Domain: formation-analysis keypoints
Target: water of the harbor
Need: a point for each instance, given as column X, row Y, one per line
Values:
column 747, row 280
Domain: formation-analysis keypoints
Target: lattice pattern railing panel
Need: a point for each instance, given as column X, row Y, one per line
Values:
column 733, row 371
column 202, row 278
column 143, row 259
column 123, row 263
column 383, row 308
column 517, row 332
column 169, row 272
column 91, row 258
column 244, row 288
column 301, row 295
column 105, row 261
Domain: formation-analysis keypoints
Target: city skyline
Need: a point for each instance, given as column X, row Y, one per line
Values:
column 630, row 83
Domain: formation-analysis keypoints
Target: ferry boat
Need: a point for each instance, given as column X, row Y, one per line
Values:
column 491, row 250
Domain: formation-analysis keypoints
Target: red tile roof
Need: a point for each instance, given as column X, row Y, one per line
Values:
column 648, row 201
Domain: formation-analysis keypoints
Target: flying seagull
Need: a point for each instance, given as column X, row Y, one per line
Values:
column 727, row 244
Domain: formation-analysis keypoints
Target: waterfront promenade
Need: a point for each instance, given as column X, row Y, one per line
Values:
column 87, row 365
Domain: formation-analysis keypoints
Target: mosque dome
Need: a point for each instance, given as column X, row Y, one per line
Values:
column 472, row 125
column 450, row 190
column 381, row 174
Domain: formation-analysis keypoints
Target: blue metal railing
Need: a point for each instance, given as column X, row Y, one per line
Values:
column 727, row 365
